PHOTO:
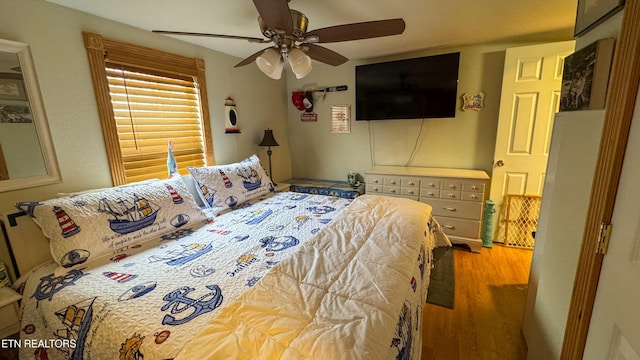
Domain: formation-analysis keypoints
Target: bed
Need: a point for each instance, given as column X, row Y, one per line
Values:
column 257, row 275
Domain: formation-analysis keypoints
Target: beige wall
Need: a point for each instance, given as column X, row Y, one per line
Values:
column 466, row 141
column 55, row 36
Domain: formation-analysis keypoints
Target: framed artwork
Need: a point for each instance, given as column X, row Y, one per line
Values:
column 593, row 12
column 585, row 76
column 473, row 101
column 15, row 113
column 12, row 89
column 341, row 119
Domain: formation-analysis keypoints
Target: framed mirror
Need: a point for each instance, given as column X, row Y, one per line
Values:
column 27, row 155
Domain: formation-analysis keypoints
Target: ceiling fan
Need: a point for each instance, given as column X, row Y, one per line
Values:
column 287, row 29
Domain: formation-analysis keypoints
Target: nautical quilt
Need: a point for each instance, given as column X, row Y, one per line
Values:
column 148, row 299
column 354, row 291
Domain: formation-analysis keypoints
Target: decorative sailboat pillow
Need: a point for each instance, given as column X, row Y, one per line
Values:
column 227, row 186
column 90, row 225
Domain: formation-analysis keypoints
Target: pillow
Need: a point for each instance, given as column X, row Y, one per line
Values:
column 89, row 225
column 227, row 186
column 76, row 193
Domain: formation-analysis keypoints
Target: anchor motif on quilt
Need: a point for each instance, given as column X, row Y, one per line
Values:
column 179, row 301
column 321, row 210
column 28, row 207
column 272, row 243
column 50, row 285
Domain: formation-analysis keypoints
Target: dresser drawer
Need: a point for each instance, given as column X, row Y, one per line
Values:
column 459, row 227
column 391, row 190
column 414, row 192
column 410, row 183
column 473, row 186
column 452, row 195
column 428, row 193
column 455, row 208
column 447, row 184
column 374, row 179
column 391, row 181
column 429, row 183
column 373, row 188
column 472, row 196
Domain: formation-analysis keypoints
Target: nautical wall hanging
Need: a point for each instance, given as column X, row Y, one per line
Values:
column 231, row 117
column 473, row 101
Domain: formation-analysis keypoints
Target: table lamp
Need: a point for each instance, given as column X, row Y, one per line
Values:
column 268, row 140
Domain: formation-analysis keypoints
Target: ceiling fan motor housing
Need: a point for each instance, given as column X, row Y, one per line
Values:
column 300, row 23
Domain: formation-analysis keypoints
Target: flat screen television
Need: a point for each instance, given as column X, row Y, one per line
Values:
column 418, row 88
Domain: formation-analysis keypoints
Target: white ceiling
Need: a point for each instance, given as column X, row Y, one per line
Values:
column 429, row 23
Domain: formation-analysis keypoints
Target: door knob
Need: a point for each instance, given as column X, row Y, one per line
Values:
column 499, row 163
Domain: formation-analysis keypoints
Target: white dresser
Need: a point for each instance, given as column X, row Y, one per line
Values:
column 456, row 195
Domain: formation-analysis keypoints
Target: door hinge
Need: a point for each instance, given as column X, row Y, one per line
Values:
column 603, row 238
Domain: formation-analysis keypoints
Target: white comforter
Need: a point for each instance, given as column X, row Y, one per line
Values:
column 355, row 291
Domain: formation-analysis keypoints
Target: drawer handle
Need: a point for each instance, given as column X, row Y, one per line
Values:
column 411, row 183
column 452, row 195
column 452, row 186
column 432, row 185
column 393, row 191
column 392, row 182
column 410, row 192
column 375, row 181
column 431, row 193
column 376, row 189
column 474, row 197
column 452, row 209
column 474, row 187
column 450, row 227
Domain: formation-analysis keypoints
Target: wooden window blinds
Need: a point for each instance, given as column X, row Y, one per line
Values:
column 147, row 98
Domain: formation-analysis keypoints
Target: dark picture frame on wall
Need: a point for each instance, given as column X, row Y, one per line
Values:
column 585, row 76
column 15, row 113
column 593, row 12
column 11, row 87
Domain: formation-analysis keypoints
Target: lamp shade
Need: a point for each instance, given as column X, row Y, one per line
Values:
column 270, row 63
column 300, row 63
column 268, row 139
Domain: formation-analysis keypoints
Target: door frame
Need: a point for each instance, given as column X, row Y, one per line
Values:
column 621, row 99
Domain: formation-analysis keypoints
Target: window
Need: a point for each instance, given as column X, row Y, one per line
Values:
column 146, row 98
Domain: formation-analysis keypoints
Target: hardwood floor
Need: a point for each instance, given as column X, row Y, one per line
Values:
column 489, row 302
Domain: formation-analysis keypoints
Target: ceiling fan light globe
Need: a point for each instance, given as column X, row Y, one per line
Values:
column 278, row 71
column 303, row 74
column 270, row 63
column 300, row 63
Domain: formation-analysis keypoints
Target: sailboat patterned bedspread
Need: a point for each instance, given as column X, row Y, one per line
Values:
column 322, row 268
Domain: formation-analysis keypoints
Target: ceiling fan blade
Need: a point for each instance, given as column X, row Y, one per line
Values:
column 357, row 31
column 325, row 55
column 251, row 58
column 250, row 39
column 275, row 14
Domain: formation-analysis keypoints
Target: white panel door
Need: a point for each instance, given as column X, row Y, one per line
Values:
column 559, row 233
column 614, row 331
column 530, row 98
